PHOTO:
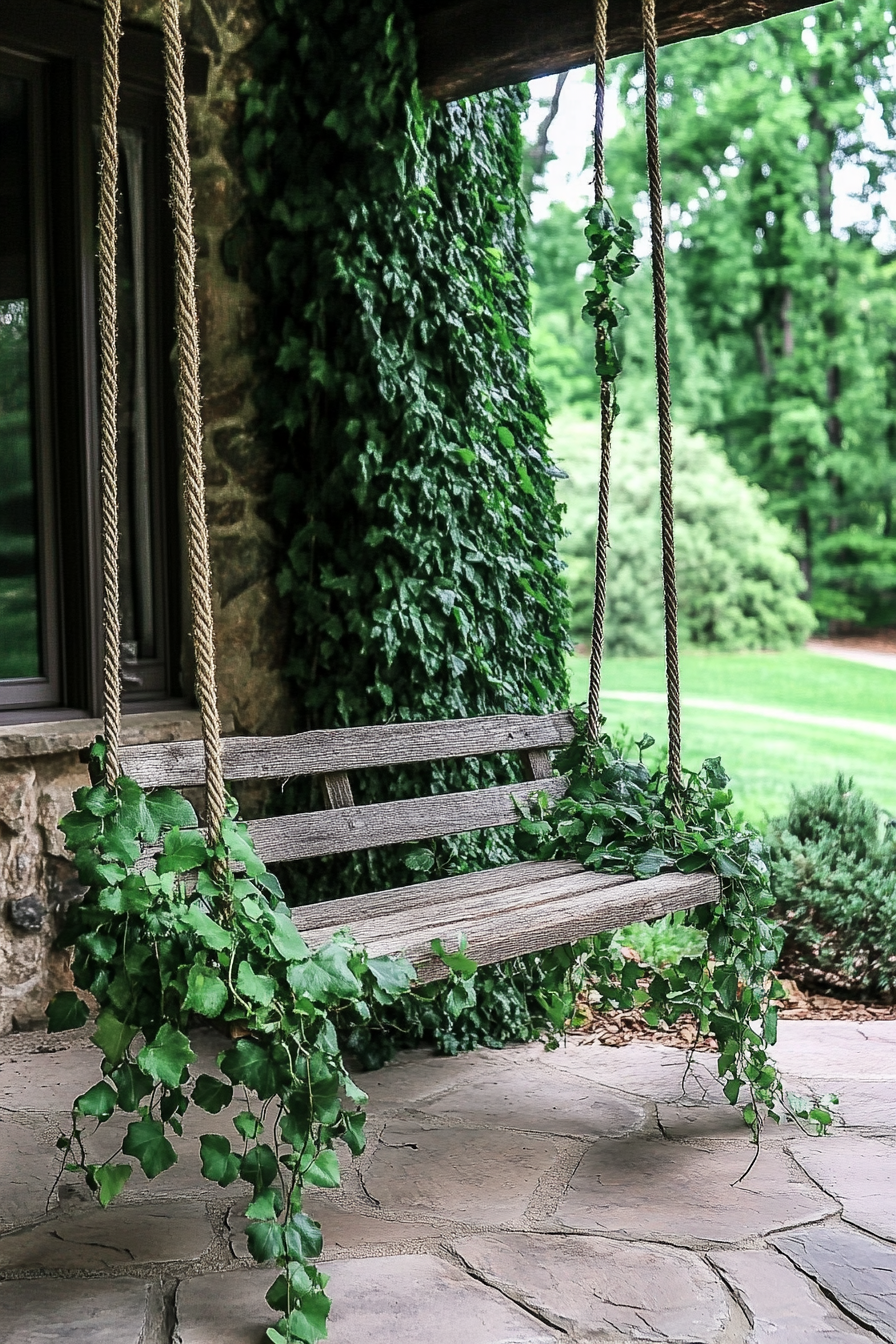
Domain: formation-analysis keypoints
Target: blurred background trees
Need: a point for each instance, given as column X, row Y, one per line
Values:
column 778, row 140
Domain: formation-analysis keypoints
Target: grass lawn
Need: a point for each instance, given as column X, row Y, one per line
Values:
column 764, row 757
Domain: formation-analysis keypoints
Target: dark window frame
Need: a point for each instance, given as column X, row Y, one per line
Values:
column 61, row 44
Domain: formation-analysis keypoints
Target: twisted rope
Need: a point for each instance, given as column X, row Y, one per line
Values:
column 187, row 328
column 108, row 315
column 602, row 537
column 664, row 399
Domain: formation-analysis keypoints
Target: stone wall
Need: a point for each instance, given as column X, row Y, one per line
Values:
column 39, row 764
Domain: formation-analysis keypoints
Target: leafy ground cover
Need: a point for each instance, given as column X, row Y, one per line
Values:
column 765, row 758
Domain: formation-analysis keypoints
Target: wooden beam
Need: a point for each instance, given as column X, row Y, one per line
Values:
column 466, row 46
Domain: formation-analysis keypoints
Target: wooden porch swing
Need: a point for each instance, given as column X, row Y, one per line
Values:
column 503, row 912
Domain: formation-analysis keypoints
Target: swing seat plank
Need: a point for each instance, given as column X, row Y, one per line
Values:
column 502, row 912
column 536, row 910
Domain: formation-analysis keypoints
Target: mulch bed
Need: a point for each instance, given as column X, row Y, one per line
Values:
column 616, row 1027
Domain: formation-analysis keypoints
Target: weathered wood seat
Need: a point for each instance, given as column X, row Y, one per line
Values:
column 503, row 912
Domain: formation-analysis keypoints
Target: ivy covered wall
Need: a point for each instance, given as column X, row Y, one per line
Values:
column 415, row 493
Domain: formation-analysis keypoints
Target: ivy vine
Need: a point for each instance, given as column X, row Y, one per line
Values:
column 178, row 940
column 415, row 495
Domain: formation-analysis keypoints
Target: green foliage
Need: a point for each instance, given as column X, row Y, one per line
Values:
column 610, row 252
column 738, row 585
column 620, row 817
column 787, row 318
column 162, row 955
column 416, row 496
column 834, row 878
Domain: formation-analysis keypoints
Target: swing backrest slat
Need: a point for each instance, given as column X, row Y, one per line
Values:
column 330, row 754
column 334, row 750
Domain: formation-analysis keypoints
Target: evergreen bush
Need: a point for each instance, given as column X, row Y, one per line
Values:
column 833, row 863
column 739, row 584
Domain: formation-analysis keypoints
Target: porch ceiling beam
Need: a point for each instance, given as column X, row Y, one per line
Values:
column 466, row 46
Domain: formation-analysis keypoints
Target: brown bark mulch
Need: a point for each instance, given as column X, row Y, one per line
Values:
column 617, row 1027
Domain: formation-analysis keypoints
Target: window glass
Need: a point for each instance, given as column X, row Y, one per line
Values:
column 20, row 651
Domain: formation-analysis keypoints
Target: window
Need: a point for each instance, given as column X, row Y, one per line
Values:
column 50, row 593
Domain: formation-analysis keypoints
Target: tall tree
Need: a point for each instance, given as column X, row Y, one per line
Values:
column 793, row 309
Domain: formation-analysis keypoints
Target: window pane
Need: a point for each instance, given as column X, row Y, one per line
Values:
column 20, row 653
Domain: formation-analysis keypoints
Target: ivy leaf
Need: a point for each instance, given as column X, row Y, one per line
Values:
column 79, row 828
column 99, row 800
column 725, row 982
column 353, row 1133
column 265, row 1241
column 110, row 1180
column 247, row 1125
column 271, row 884
column 145, row 1140
column 66, row 1012
column 302, row 1237
column 133, row 1085
column 239, row 848
column 167, row 807
column 211, row 933
column 419, row 860
column 166, row 1058
column 286, row 938
column 98, row 1101
column 121, row 845
column 258, row 989
column 266, row 1205
column 219, row 1164
column 457, row 962
column 112, row 1037
column 259, row 1166
column 183, row 851
column 211, row 1094
column 323, row 1171
column 206, row 992
column 650, row 863
column 308, row 1323
column 250, row 1064
column 393, row 975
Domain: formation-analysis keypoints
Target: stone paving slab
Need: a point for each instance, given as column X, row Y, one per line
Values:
column 343, row 1228
column 463, row 1174
column 29, row 1163
column 862, row 1103
column 594, row 1288
column 858, row 1172
column 49, row 1079
column 516, row 1097
column 859, row 1272
column 124, row 1234
column 653, row 1072
column 836, row 1050
column 690, row 1120
column 687, row 1192
column 403, row 1299
column 782, row 1306
column 75, row 1311
column 415, row 1075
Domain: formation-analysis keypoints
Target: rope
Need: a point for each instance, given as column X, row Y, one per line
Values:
column 602, row 538
column 664, row 399
column 108, row 239
column 187, row 328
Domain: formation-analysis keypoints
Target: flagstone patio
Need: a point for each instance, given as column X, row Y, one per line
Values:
column 506, row 1197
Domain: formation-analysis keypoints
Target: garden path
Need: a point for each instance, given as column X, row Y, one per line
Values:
column 864, row 727
column 516, row 1197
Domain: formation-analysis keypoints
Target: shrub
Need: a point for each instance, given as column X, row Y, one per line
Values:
column 833, row 864
column 739, row 584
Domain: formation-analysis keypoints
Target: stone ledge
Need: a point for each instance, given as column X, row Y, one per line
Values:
column 22, row 741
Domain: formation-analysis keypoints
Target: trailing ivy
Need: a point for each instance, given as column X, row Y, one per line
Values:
column 415, row 497
column 179, row 942
column 619, row 817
